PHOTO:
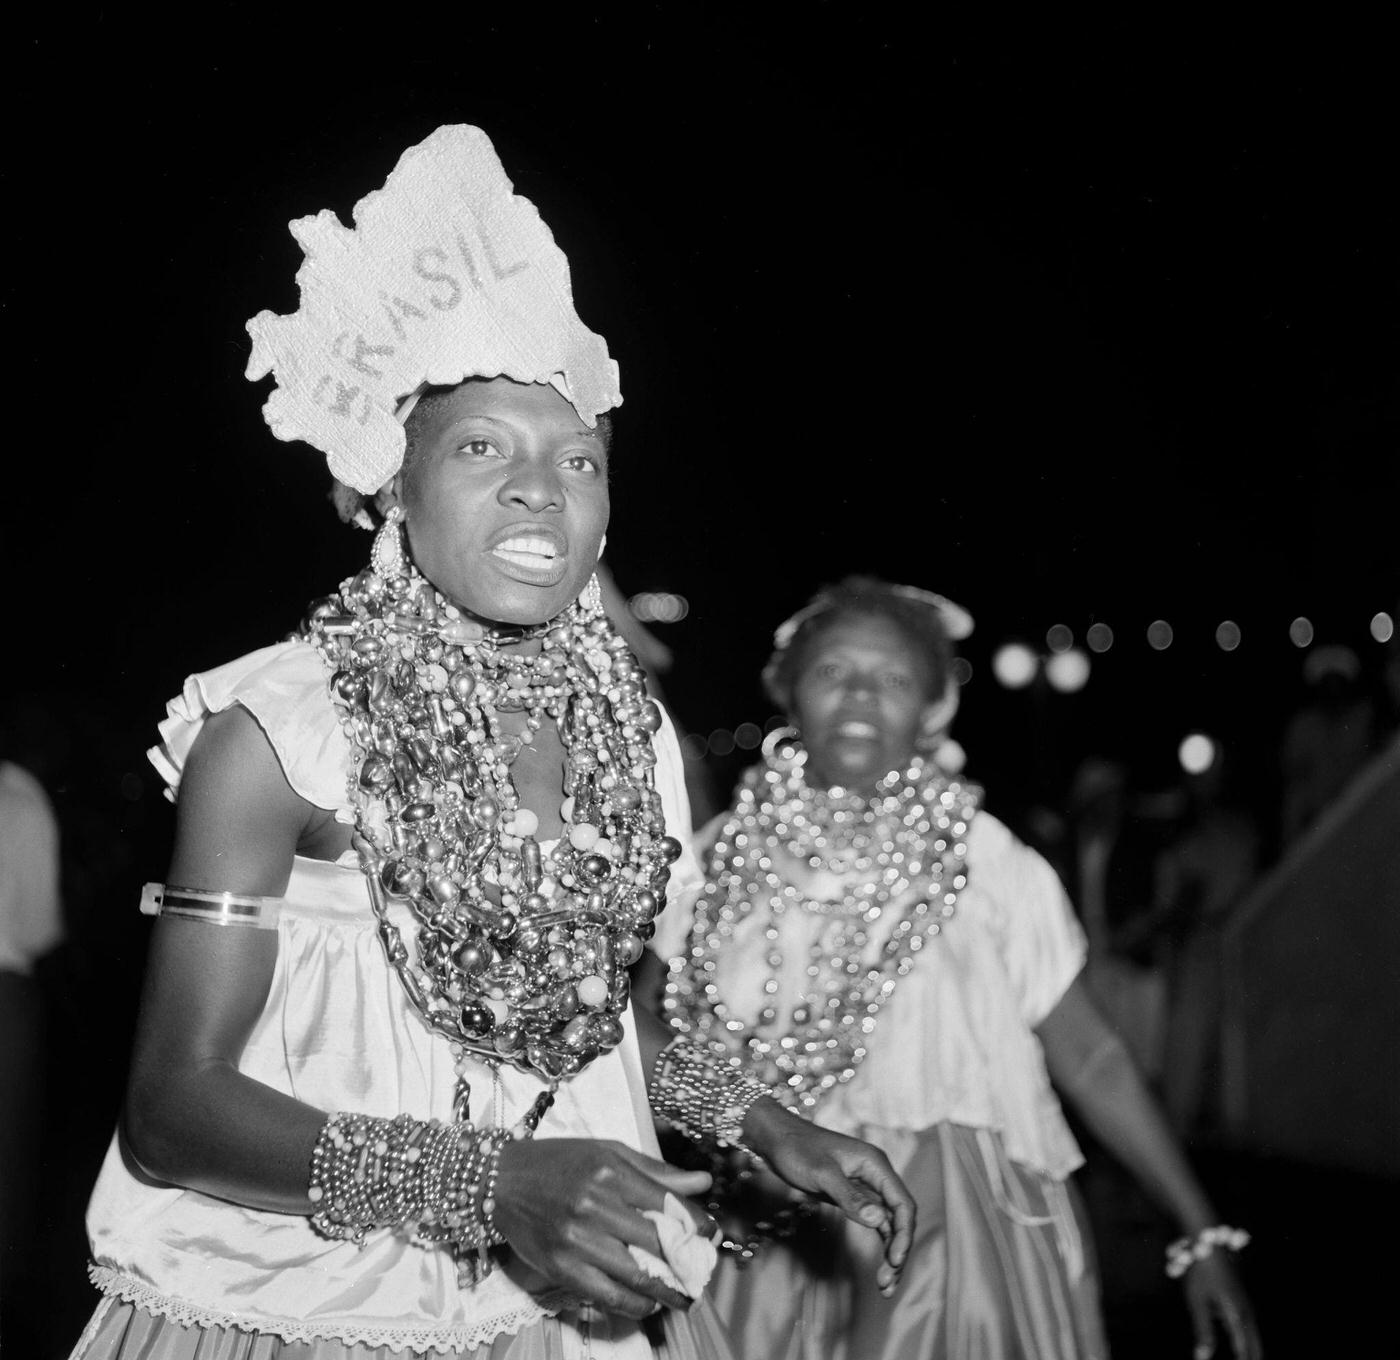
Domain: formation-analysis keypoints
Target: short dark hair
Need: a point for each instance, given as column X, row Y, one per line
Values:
column 858, row 596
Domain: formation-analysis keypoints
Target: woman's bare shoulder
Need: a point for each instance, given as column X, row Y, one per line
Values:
column 239, row 820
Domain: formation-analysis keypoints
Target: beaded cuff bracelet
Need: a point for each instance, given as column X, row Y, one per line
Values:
column 434, row 1181
column 703, row 1097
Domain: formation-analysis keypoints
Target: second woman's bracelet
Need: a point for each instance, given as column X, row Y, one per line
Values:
column 1186, row 1251
column 702, row 1096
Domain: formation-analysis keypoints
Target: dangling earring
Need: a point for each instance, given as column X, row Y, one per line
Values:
column 949, row 756
column 387, row 556
column 591, row 599
column 782, row 750
column 939, row 749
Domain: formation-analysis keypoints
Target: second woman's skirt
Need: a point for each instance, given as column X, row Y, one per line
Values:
column 1001, row 1269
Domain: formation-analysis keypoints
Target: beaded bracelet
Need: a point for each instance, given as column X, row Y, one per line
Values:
column 703, row 1097
column 1186, row 1251
column 433, row 1180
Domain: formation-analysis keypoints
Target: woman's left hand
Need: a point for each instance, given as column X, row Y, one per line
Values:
column 854, row 1176
column 1214, row 1293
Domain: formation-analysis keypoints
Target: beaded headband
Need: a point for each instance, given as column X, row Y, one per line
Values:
column 446, row 274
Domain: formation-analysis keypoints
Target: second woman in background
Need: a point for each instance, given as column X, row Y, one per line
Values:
column 889, row 954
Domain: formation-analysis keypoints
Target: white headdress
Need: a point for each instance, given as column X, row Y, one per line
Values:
column 446, row 274
column 956, row 621
column 953, row 619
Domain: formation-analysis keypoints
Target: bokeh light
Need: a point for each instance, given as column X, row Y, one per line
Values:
column 1382, row 627
column 1159, row 635
column 1228, row 635
column 1300, row 632
column 721, row 741
column 962, row 669
column 747, row 736
column 658, row 606
column 1068, row 671
column 1014, row 665
column 1099, row 637
column 1196, row 753
column 1060, row 638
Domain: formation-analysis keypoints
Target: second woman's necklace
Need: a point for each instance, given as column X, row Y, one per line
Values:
column 922, row 820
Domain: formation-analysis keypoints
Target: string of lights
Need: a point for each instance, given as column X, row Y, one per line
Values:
column 1064, row 665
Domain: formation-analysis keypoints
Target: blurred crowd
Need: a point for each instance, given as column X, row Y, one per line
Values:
column 1158, row 874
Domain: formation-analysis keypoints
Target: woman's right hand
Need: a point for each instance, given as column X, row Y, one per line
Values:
column 852, row 1174
column 1214, row 1293
column 570, row 1207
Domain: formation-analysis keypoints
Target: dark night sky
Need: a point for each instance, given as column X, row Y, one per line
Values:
column 1069, row 324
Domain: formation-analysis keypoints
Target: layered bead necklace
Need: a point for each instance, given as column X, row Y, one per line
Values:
column 907, row 843
column 521, row 956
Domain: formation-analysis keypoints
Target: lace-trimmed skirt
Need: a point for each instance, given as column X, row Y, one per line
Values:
column 122, row 1331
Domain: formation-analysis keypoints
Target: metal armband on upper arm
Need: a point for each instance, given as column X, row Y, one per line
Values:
column 216, row 908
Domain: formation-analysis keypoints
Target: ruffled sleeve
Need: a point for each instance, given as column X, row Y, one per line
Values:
column 1042, row 943
column 286, row 689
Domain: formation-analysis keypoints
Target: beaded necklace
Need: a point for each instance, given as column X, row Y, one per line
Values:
column 909, row 839
column 521, row 956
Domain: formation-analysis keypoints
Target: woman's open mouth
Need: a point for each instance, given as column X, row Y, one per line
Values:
column 531, row 556
column 858, row 729
column 527, row 552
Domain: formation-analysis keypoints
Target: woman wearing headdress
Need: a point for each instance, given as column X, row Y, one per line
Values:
column 882, row 949
column 387, row 1095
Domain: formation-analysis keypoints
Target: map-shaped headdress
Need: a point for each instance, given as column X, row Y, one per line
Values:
column 446, row 274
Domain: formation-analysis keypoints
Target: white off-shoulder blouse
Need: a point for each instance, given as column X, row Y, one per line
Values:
column 338, row 1033
column 956, row 1041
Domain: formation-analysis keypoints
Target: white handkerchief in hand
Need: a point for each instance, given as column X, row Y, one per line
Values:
column 689, row 1257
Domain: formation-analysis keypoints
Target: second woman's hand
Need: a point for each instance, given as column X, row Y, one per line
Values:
column 854, row 1176
column 1214, row 1294
column 570, row 1208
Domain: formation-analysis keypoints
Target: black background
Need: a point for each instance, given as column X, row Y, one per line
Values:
column 1070, row 324
column 1069, row 321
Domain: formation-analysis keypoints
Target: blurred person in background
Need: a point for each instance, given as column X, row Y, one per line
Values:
column 885, row 951
column 1328, row 739
column 1206, row 869
column 1106, row 865
column 31, row 932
